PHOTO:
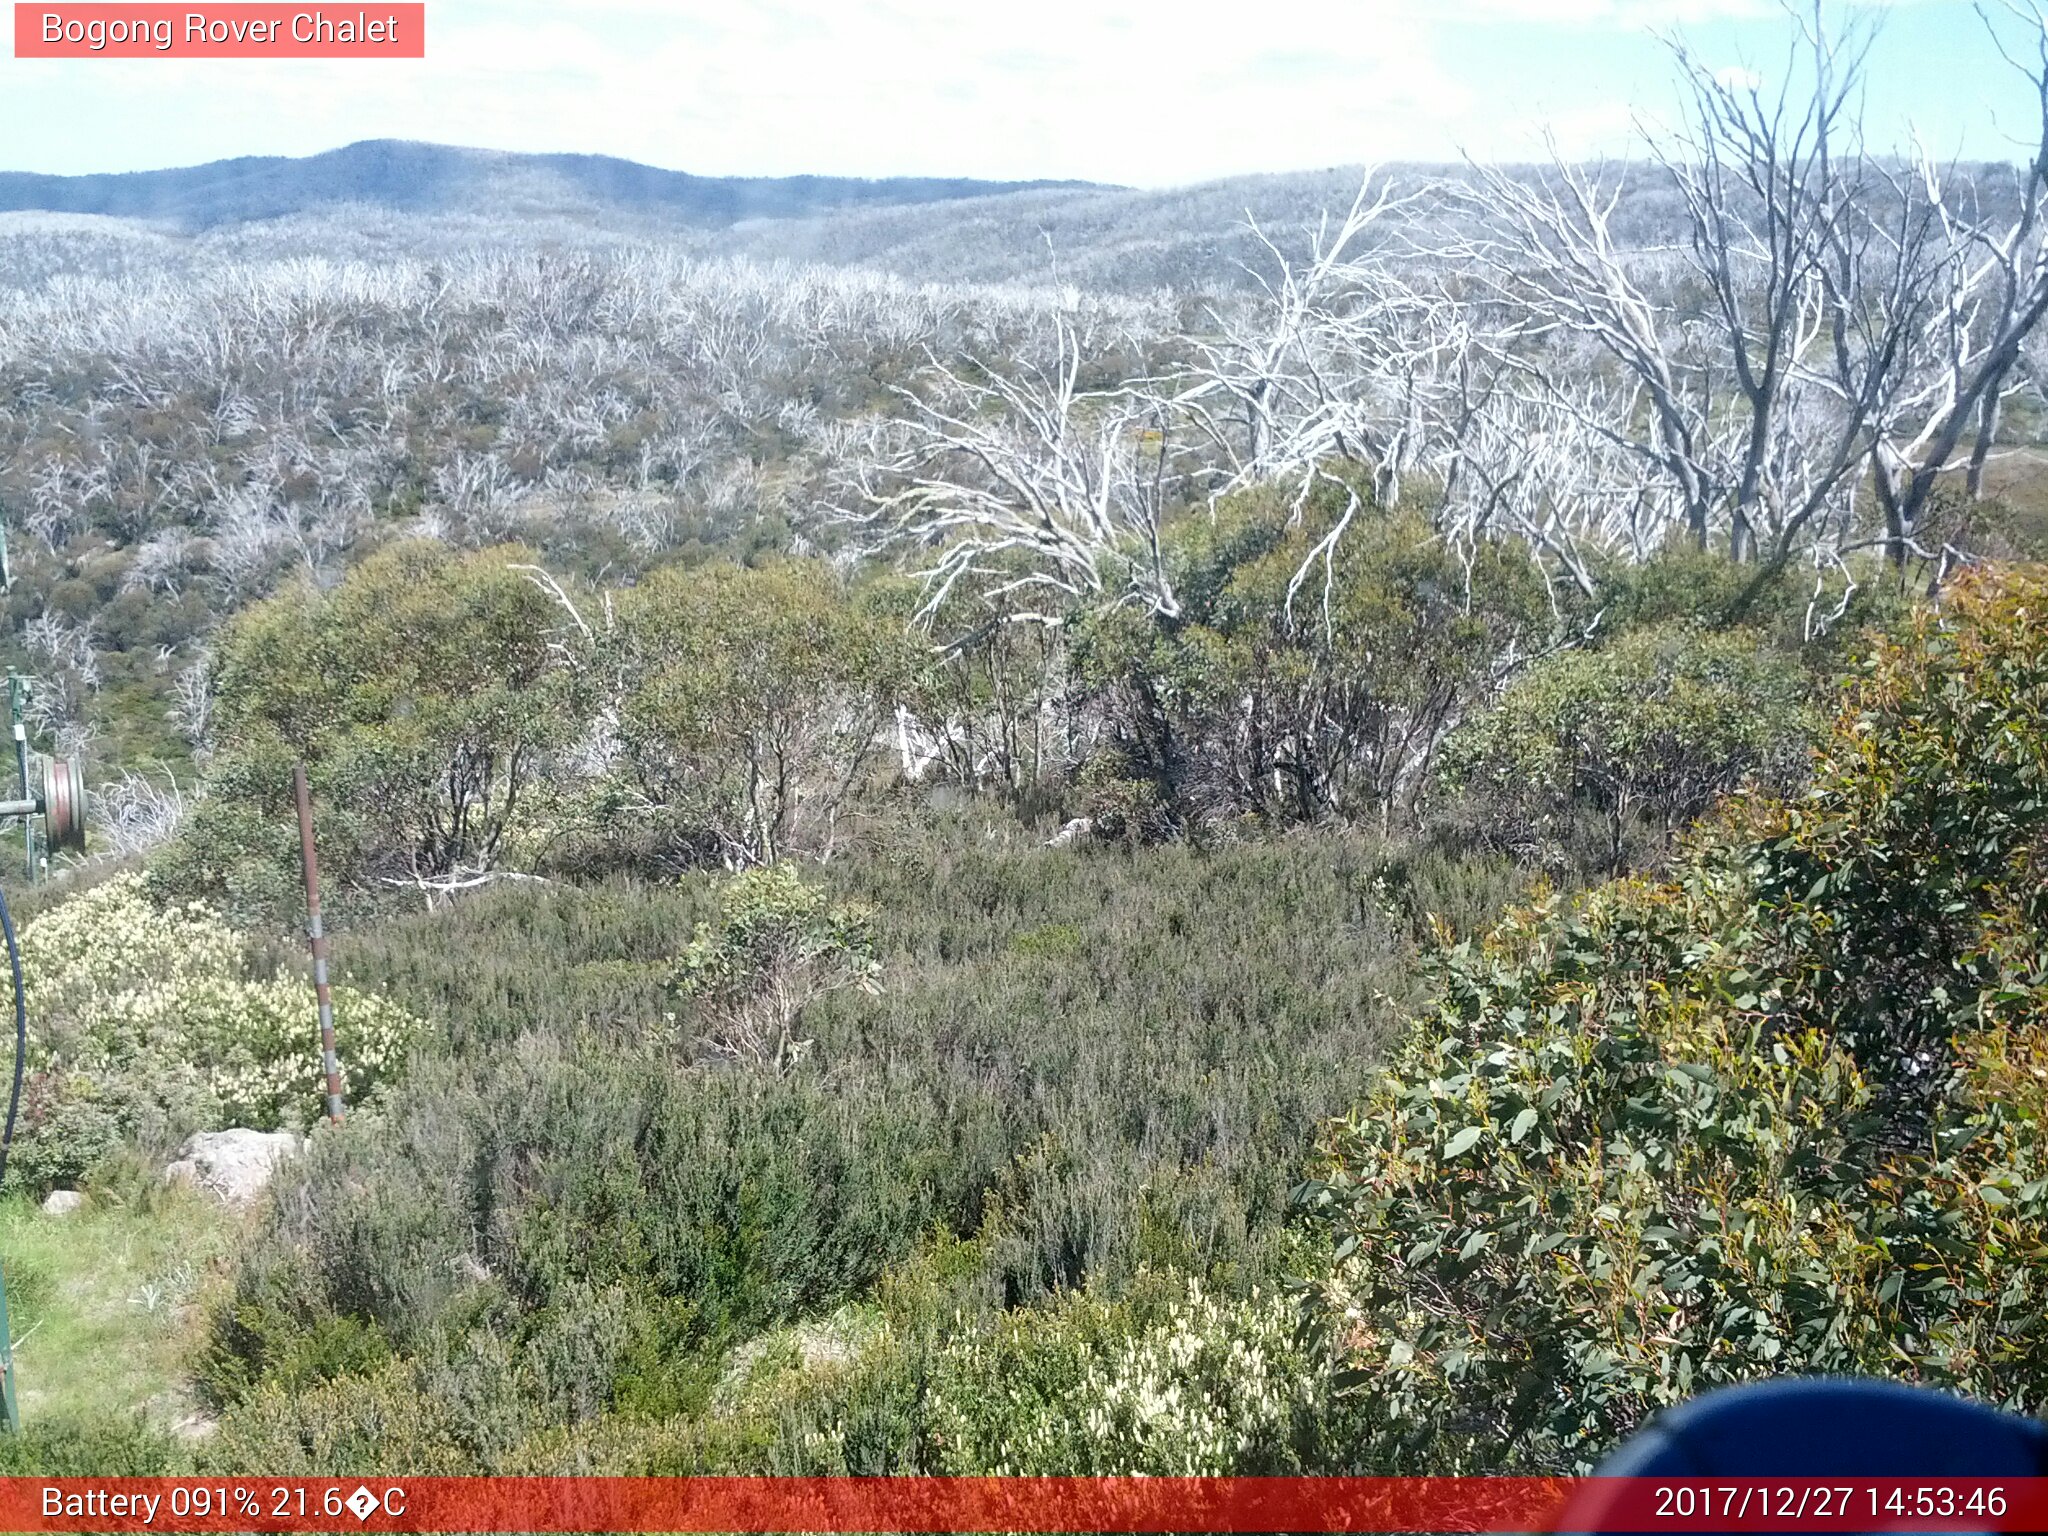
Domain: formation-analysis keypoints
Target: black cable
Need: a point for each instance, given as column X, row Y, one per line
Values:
column 20, row 1031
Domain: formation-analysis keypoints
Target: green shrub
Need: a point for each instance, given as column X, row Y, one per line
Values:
column 1123, row 802
column 1644, row 733
column 1055, row 941
column 384, row 1421
column 725, row 1201
column 88, row 1448
column 711, row 1445
column 1177, row 1383
column 750, row 702
column 1168, row 1378
column 74, row 1123
column 296, row 1351
column 145, row 1024
column 426, row 696
column 1304, row 680
column 1785, row 1112
column 778, row 946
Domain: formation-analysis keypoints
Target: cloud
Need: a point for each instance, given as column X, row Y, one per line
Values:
column 1124, row 90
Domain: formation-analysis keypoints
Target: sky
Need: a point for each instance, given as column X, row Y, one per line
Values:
column 1141, row 92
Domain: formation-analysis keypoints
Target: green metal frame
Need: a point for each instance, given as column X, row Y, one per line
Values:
column 8, row 1406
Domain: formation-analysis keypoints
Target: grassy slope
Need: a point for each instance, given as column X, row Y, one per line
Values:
column 104, row 1304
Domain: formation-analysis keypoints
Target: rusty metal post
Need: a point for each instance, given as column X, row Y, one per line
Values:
column 317, row 937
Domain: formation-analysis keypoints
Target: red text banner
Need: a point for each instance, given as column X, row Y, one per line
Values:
column 230, row 31
column 938, row 1504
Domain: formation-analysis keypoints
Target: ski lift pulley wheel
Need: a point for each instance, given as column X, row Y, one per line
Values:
column 63, row 803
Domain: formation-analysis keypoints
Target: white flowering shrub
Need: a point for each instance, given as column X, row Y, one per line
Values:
column 141, row 1015
column 1199, row 1386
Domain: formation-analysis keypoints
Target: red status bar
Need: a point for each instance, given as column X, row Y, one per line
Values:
column 1052, row 1504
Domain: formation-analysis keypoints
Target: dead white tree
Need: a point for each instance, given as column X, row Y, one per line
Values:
column 137, row 813
column 1988, row 295
column 1525, row 465
column 192, row 704
column 1330, row 360
column 1762, row 350
column 1026, row 492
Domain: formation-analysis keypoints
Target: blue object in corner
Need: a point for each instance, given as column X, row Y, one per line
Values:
column 1820, row 1426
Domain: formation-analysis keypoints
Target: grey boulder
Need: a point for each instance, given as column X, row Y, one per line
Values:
column 235, row 1165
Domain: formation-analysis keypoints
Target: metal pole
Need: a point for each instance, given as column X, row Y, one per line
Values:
column 318, row 939
column 17, row 708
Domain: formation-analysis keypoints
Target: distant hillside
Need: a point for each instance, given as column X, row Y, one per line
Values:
column 1192, row 238
column 1180, row 238
column 386, row 200
column 435, row 178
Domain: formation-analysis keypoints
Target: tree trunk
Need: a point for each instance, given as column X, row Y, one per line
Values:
column 1988, row 414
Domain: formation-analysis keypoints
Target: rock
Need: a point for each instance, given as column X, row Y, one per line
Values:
column 62, row 1202
column 1072, row 832
column 235, row 1165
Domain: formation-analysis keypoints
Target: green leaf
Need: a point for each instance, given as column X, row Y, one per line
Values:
column 1463, row 1142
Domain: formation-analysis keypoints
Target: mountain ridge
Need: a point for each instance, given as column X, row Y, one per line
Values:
column 418, row 177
